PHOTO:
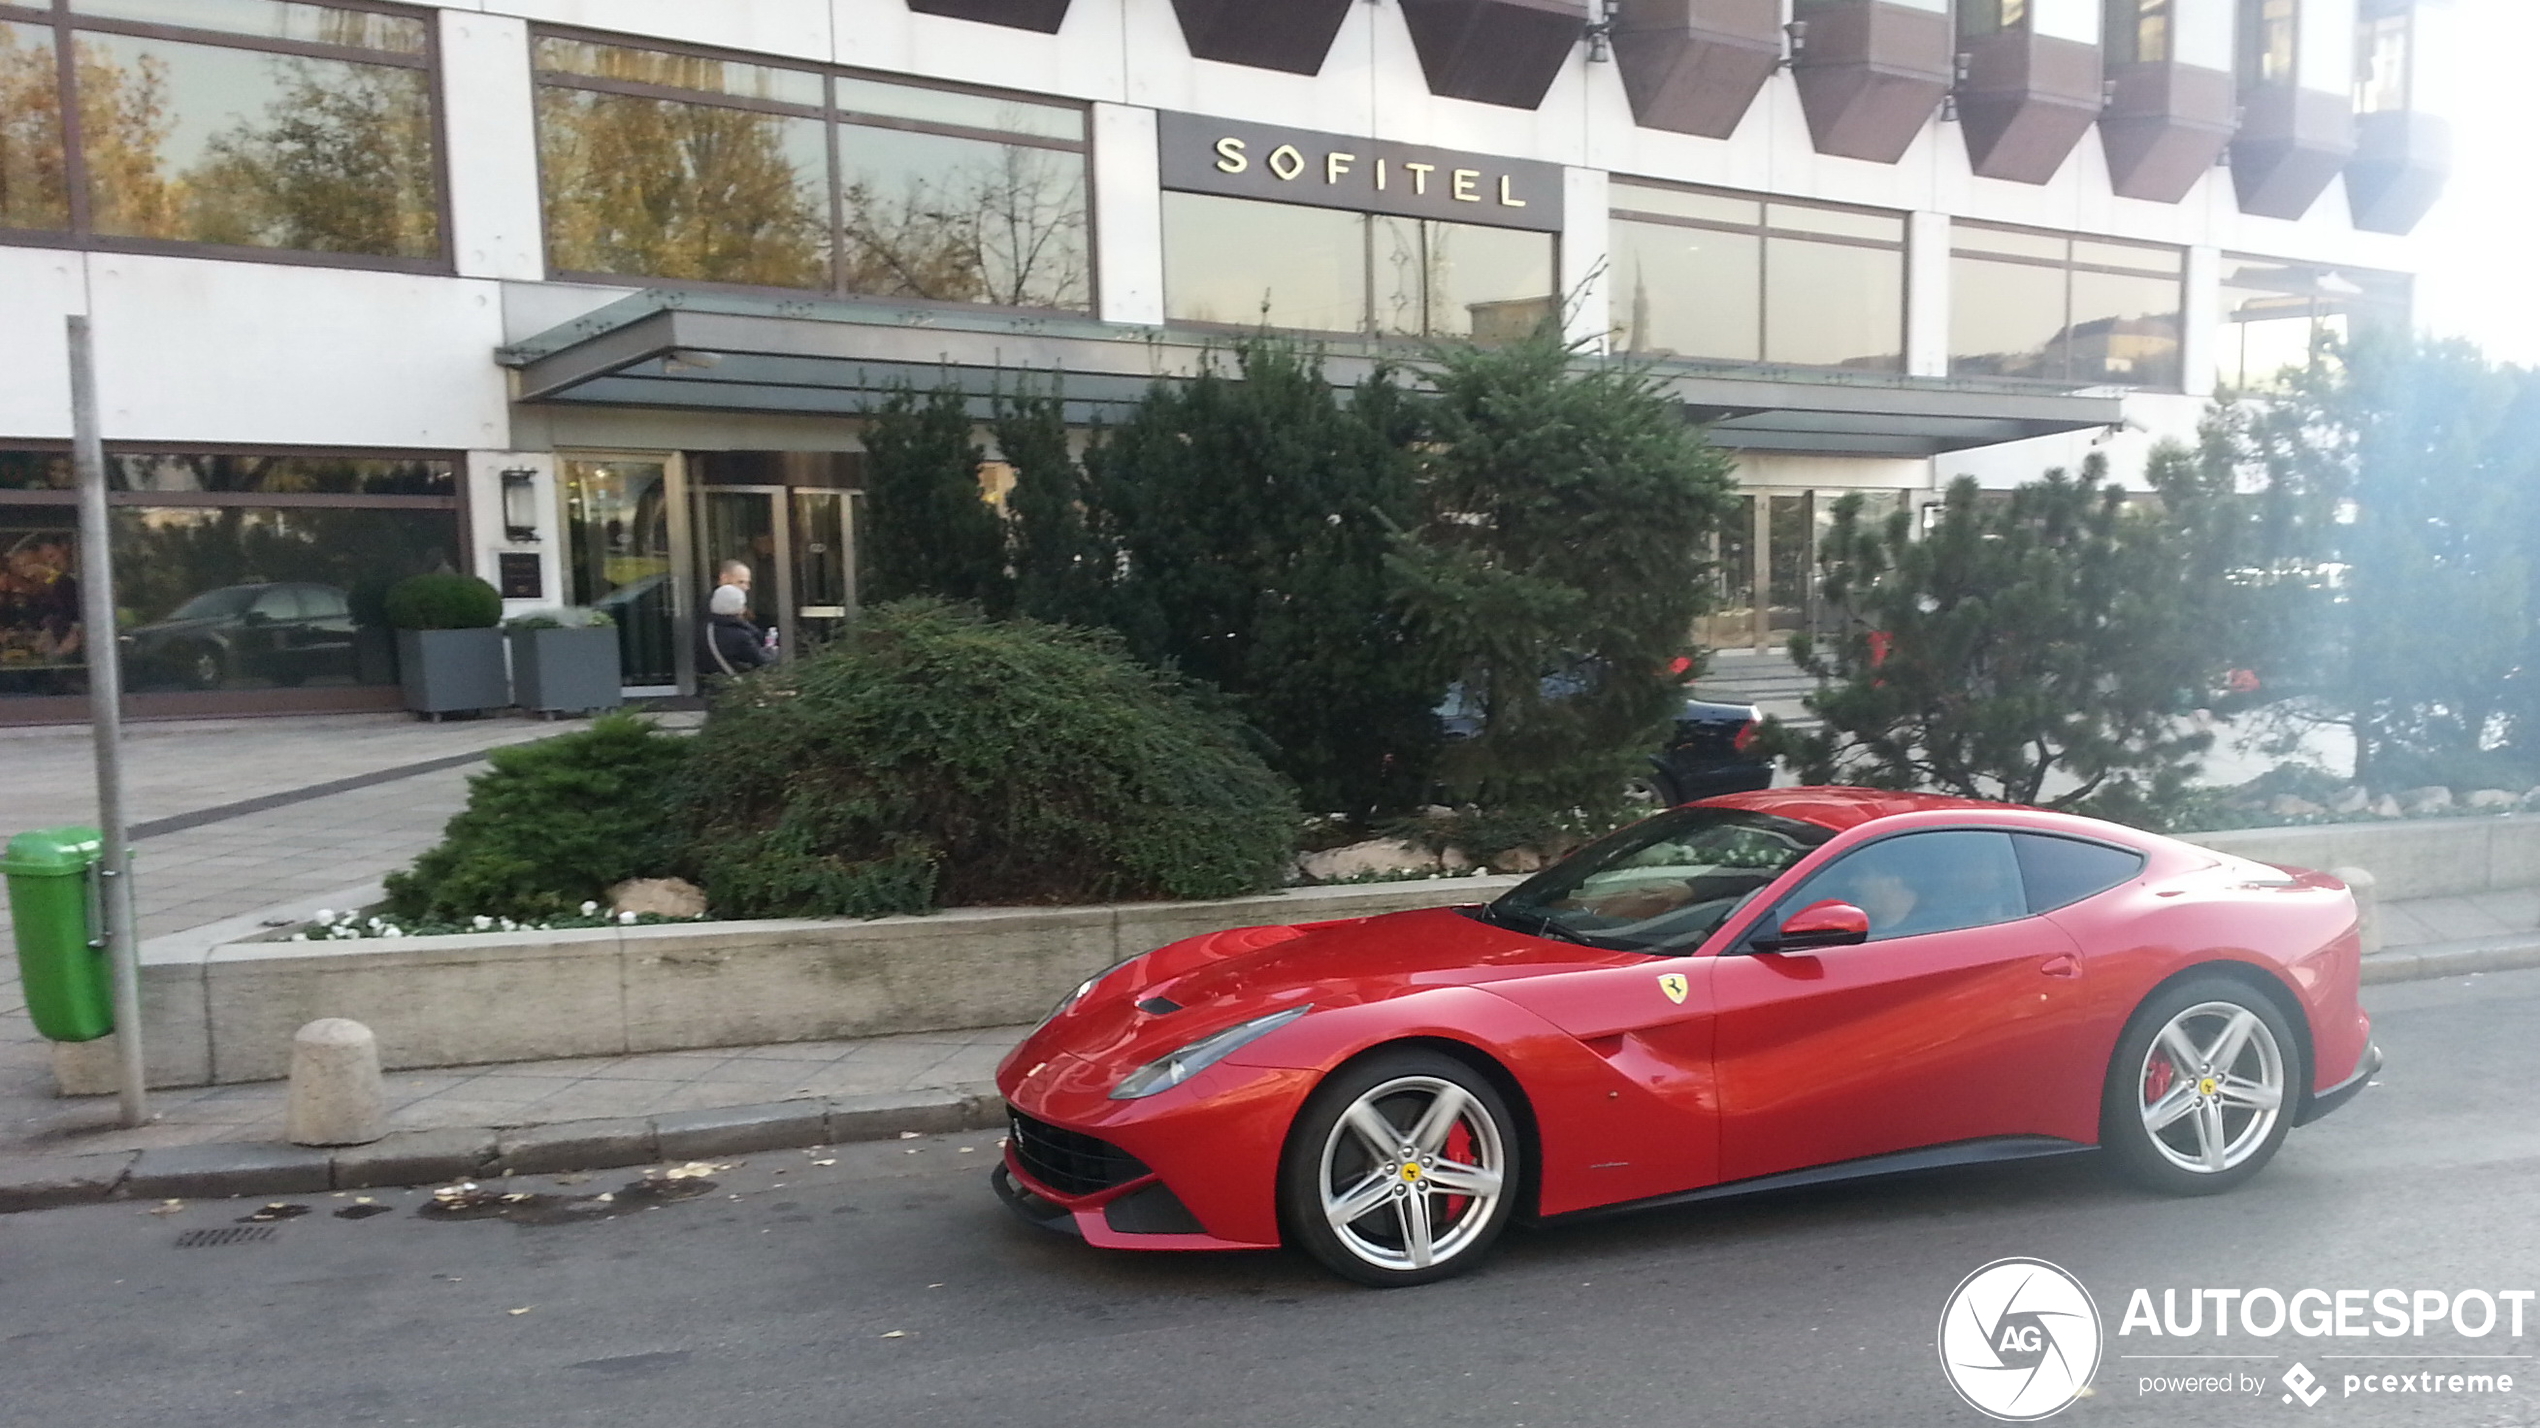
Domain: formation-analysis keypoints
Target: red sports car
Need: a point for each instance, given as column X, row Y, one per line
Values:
column 1754, row 991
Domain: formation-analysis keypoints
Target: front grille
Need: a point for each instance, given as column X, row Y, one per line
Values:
column 1070, row 1162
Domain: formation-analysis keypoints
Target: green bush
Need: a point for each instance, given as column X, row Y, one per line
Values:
column 444, row 600
column 551, row 826
column 933, row 757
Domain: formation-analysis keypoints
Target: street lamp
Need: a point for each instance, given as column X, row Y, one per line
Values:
column 520, row 505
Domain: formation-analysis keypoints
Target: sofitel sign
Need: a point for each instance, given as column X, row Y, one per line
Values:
column 1204, row 155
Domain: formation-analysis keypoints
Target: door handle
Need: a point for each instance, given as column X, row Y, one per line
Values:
column 2060, row 967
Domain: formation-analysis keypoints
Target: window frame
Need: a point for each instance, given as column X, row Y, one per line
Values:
column 57, row 16
column 832, row 119
column 1765, row 232
column 2069, row 265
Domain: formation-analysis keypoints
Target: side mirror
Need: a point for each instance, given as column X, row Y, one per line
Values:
column 1820, row 924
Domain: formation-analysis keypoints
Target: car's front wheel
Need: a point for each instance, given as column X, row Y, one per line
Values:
column 2202, row 1089
column 1402, row 1169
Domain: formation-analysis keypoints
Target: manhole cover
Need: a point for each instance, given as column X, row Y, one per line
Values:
column 225, row 1235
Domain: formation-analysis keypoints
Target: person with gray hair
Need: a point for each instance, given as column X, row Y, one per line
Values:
column 731, row 644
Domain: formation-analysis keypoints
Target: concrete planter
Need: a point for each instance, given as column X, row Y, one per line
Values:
column 444, row 671
column 565, row 670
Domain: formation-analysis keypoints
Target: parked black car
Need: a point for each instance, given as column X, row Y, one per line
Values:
column 286, row 632
column 1709, row 752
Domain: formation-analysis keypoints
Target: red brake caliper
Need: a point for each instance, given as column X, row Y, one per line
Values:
column 1459, row 1148
column 2157, row 1078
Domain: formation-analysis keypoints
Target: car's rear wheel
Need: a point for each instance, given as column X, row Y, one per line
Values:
column 2202, row 1088
column 1402, row 1169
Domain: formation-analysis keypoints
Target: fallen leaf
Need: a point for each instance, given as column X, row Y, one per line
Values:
column 168, row 1207
column 968, row 1148
column 605, row 1196
column 516, row 1313
column 912, row 1150
column 934, row 1286
column 363, row 1200
column 831, row 1161
column 908, row 1135
column 896, row 1334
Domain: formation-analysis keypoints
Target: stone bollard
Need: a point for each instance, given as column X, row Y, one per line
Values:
column 336, row 1096
column 2367, row 905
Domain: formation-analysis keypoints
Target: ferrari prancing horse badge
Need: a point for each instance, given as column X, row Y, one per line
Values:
column 1673, row 984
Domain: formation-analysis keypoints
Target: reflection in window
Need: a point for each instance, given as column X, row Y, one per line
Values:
column 1978, row 18
column 1242, row 262
column 2268, row 29
column 2139, row 31
column 666, row 165
column 283, row 475
column 34, row 188
column 1736, row 279
column 2045, row 307
column 2277, row 315
column 214, row 138
column 2381, row 63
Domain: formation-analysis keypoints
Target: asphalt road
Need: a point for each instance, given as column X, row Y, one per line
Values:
column 891, row 1288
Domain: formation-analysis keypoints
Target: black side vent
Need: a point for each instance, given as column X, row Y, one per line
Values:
column 1158, row 1006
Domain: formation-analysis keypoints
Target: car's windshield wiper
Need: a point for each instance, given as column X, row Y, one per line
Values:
column 1541, row 924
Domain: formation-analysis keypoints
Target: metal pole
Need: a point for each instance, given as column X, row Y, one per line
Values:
column 98, row 635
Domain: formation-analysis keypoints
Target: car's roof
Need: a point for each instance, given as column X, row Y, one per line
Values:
column 1841, row 808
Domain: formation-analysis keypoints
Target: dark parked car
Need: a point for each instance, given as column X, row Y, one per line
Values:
column 286, row 632
column 1708, row 753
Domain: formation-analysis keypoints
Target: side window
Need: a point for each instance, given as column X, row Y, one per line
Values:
column 1923, row 882
column 279, row 603
column 2063, row 871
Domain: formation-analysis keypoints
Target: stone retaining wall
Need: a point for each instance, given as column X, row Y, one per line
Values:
column 226, row 1012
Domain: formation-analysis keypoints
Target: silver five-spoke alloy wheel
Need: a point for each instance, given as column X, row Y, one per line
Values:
column 1412, row 1173
column 2211, row 1088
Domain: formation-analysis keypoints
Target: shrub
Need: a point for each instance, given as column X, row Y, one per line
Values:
column 551, row 826
column 444, row 600
column 932, row 757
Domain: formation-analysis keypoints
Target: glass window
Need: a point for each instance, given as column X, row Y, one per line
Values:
column 271, row 125
column 283, row 475
column 1719, row 277
column 667, row 189
column 1923, row 882
column 2048, row 307
column 2275, row 314
column 1230, row 260
column 2267, row 36
column 2139, row 31
column 34, row 187
column 963, row 220
column 1245, row 262
column 1834, row 305
column 2061, row 871
column 1664, row 883
column 665, row 164
column 2381, row 64
column 2005, row 319
column 1978, row 18
column 272, row 20
column 35, row 471
column 1689, row 292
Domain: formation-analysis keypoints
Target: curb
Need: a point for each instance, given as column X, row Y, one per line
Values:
column 423, row 1157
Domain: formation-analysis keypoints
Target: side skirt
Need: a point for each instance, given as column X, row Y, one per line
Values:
column 1930, row 1157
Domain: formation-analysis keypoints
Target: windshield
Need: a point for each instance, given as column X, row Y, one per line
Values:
column 1661, row 885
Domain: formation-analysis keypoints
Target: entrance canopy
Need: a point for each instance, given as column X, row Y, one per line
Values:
column 730, row 353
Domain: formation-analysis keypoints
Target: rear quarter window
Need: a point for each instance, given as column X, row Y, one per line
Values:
column 2062, row 871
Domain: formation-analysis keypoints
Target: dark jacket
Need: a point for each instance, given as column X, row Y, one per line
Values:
column 732, row 645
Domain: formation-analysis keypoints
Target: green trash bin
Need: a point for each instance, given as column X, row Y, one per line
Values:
column 70, row 988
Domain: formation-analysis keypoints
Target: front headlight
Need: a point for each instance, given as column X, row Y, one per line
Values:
column 1166, row 1073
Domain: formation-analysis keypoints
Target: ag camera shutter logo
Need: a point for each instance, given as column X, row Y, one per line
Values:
column 2019, row 1340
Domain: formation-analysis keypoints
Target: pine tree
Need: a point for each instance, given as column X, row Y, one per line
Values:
column 927, row 532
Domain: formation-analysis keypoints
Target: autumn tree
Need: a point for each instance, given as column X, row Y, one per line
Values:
column 668, row 189
column 1001, row 223
column 340, row 162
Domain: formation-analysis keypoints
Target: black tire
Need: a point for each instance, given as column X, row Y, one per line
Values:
column 1377, row 1250
column 2137, row 1083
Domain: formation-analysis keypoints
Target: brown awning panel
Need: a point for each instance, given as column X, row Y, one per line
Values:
column 2027, row 100
column 1041, row 15
column 1870, row 74
column 1494, row 51
column 2164, row 127
column 2401, row 161
column 1695, row 66
column 2292, row 143
column 1293, row 36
